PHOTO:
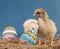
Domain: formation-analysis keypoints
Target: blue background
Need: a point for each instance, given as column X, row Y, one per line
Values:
column 15, row 12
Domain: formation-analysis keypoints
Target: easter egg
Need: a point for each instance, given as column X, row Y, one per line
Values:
column 9, row 33
column 29, row 38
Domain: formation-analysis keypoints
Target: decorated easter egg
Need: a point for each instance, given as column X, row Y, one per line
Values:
column 9, row 32
column 28, row 37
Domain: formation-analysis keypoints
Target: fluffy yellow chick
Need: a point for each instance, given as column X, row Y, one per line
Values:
column 46, row 25
column 30, row 24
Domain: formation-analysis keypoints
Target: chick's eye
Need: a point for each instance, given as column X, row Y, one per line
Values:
column 38, row 13
column 32, row 28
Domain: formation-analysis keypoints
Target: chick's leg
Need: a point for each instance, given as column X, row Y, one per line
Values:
column 52, row 38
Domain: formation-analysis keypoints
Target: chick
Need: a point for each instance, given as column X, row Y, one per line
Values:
column 46, row 25
column 30, row 24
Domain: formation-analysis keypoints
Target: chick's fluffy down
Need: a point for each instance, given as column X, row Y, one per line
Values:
column 48, row 29
column 29, row 24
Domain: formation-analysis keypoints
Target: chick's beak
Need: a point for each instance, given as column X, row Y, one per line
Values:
column 35, row 14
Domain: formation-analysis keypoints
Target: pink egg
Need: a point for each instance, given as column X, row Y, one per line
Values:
column 22, row 41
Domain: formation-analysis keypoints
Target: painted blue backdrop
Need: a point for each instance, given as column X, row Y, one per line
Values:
column 15, row 12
